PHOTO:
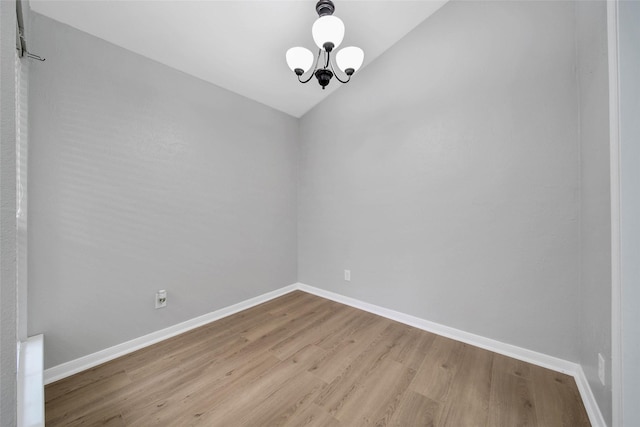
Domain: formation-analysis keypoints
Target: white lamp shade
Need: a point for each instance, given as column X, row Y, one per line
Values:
column 299, row 57
column 350, row 57
column 328, row 29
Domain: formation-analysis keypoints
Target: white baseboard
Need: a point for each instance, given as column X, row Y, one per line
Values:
column 533, row 357
column 589, row 400
column 570, row 368
column 86, row 362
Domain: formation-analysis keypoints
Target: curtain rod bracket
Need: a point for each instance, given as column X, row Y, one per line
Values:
column 33, row 56
column 21, row 42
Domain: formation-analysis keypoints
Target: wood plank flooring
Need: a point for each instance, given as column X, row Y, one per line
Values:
column 301, row 360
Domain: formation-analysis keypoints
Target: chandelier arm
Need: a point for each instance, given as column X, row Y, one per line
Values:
column 338, row 78
column 305, row 81
column 314, row 69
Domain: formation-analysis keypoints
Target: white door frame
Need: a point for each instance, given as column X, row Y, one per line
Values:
column 614, row 153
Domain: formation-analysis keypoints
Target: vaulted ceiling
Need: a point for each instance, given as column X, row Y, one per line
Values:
column 240, row 45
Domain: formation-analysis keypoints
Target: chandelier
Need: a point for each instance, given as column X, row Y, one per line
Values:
column 328, row 32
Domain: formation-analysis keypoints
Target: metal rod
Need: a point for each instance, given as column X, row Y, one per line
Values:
column 338, row 77
column 33, row 56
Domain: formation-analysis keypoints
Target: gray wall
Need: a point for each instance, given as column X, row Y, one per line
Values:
column 470, row 189
column 143, row 178
column 629, row 63
column 595, row 201
column 8, row 363
column 446, row 177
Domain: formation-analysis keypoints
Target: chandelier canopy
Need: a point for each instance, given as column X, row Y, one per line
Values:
column 328, row 33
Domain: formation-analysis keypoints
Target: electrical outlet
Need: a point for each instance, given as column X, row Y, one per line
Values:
column 161, row 298
column 347, row 275
column 601, row 368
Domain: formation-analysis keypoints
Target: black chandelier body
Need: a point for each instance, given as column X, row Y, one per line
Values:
column 326, row 73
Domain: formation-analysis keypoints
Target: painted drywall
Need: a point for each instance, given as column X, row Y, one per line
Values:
column 446, row 177
column 143, row 178
column 8, row 362
column 629, row 70
column 595, row 201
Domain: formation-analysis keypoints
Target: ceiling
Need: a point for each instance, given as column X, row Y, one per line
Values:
column 240, row 45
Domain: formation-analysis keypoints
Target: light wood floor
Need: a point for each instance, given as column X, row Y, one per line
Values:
column 301, row 360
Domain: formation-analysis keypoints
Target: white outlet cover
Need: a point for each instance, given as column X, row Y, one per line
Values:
column 161, row 295
column 347, row 275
